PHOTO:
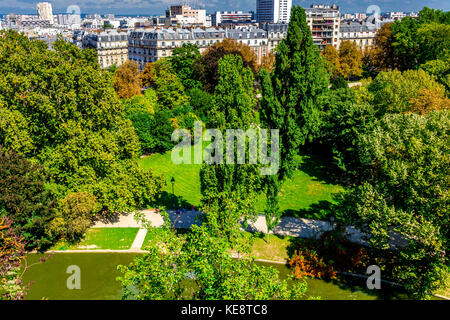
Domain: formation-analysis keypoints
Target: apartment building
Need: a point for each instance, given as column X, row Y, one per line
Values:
column 111, row 47
column 149, row 45
column 324, row 21
column 275, row 33
column 255, row 38
column 185, row 15
column 359, row 32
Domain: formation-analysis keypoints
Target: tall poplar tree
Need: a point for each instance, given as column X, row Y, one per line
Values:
column 229, row 190
column 290, row 100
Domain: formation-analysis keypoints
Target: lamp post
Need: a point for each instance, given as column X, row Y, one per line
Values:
column 173, row 190
column 332, row 223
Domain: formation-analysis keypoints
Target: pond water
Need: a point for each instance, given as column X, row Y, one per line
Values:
column 99, row 273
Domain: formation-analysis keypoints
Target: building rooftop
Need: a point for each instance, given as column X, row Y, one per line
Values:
column 357, row 27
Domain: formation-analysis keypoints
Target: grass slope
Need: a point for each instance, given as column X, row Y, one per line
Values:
column 102, row 238
column 308, row 194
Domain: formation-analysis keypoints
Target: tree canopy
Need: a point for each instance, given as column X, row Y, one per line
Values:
column 68, row 119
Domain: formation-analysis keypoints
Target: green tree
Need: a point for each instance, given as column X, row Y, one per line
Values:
column 14, row 131
column 393, row 91
column 406, row 195
column 434, row 41
column 199, row 266
column 206, row 69
column 201, row 102
column 65, row 51
column 229, row 190
column 405, row 44
column 140, row 110
column 291, row 99
column 24, row 199
column 339, row 83
column 112, row 68
column 182, row 60
column 291, row 93
column 74, row 215
column 344, row 121
column 162, row 129
column 440, row 70
column 76, row 123
column 427, row 15
column 161, row 77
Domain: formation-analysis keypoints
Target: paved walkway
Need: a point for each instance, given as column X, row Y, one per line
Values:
column 139, row 240
column 288, row 226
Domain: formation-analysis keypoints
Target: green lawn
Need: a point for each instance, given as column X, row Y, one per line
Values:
column 102, row 238
column 187, row 179
column 308, row 194
column 151, row 234
column 277, row 249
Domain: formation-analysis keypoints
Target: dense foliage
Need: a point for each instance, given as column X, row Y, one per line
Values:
column 207, row 67
column 407, row 196
column 68, row 119
column 408, row 43
column 24, row 200
column 12, row 254
column 229, row 190
column 291, row 101
column 71, row 134
column 199, row 266
column 344, row 62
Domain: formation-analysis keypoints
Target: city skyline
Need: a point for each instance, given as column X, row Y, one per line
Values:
column 158, row 7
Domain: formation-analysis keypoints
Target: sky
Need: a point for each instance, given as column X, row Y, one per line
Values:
column 157, row 7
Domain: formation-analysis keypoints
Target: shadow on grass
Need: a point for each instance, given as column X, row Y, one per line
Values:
column 321, row 168
column 170, row 201
column 321, row 210
column 317, row 162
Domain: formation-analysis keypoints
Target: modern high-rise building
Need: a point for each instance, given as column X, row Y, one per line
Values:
column 273, row 11
column 45, row 11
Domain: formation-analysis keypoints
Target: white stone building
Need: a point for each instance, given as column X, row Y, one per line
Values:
column 111, row 47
